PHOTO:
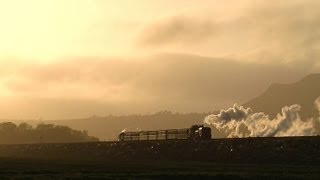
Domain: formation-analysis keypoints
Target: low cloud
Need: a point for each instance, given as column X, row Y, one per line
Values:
column 287, row 31
column 182, row 83
column 177, row 30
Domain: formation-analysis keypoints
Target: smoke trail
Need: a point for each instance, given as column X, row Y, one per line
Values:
column 317, row 124
column 317, row 104
column 243, row 122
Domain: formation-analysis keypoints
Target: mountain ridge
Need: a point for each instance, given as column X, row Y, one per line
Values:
column 303, row 92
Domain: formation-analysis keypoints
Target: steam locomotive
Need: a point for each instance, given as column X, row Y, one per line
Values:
column 195, row 132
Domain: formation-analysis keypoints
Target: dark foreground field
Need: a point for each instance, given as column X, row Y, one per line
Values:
column 51, row 169
column 250, row 158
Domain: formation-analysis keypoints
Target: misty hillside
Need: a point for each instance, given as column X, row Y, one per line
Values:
column 303, row 92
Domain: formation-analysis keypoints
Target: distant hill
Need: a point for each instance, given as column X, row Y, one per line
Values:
column 303, row 92
column 109, row 127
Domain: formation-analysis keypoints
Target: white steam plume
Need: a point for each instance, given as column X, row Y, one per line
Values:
column 317, row 104
column 242, row 122
column 317, row 124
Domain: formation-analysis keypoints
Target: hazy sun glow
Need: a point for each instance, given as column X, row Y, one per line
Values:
column 42, row 30
column 54, row 29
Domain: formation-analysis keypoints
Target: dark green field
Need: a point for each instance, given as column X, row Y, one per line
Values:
column 249, row 158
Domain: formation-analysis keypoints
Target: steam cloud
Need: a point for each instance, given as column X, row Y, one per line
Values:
column 243, row 122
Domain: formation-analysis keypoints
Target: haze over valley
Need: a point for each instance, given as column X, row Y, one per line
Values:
column 284, row 118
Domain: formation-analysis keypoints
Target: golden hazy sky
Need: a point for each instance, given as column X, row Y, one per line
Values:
column 42, row 30
column 55, row 30
column 72, row 58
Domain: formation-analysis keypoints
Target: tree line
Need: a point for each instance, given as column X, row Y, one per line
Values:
column 11, row 133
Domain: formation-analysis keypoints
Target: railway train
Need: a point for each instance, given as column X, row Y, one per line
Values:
column 195, row 132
